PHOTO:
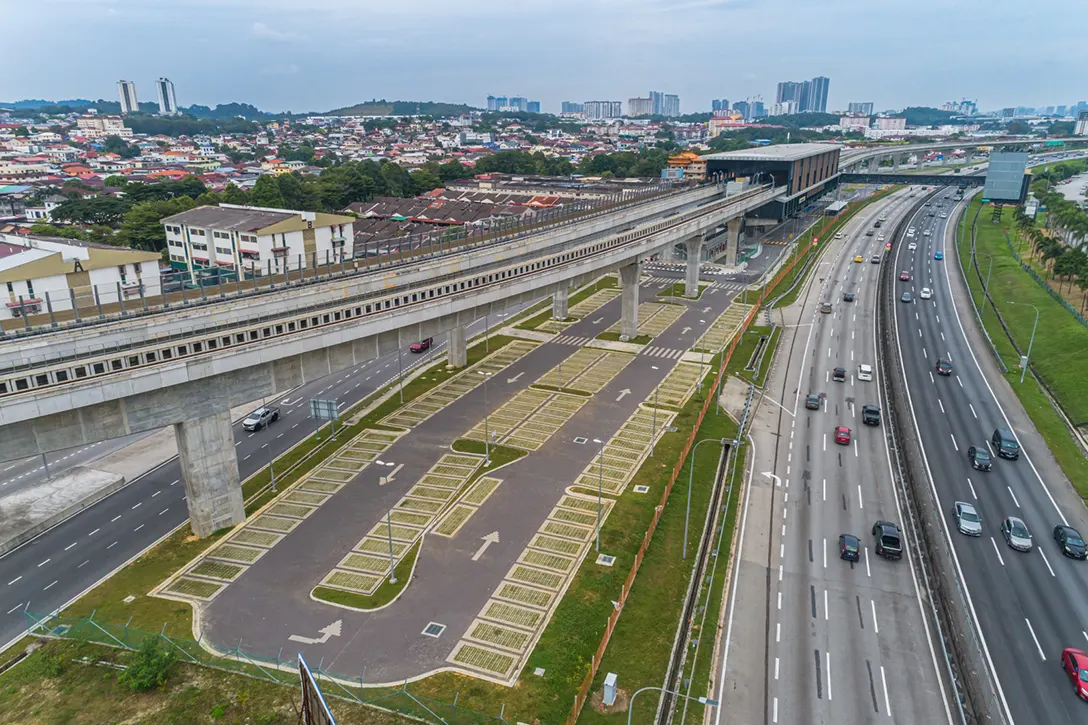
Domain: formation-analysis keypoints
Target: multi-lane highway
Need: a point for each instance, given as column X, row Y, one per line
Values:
column 1029, row 605
column 812, row 638
column 72, row 557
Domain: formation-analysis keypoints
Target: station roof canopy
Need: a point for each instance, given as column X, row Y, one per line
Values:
column 776, row 152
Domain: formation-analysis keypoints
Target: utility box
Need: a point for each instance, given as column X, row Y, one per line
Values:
column 610, row 689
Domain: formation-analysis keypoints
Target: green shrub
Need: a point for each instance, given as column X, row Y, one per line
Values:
column 150, row 666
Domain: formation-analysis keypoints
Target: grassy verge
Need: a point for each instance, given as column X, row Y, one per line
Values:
column 751, row 339
column 385, row 593
column 615, row 337
column 1058, row 335
column 178, row 549
column 60, row 683
column 642, row 642
column 607, row 282
column 679, row 290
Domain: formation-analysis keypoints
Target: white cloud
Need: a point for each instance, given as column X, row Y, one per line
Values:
column 260, row 30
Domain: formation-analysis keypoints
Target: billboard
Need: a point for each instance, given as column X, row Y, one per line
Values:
column 315, row 711
column 1005, row 181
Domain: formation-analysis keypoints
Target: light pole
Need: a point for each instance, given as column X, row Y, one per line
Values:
column 487, row 432
column 986, row 287
column 600, row 485
column 400, row 375
column 389, row 534
column 700, row 700
column 691, row 478
column 653, row 432
column 271, row 472
column 1027, row 358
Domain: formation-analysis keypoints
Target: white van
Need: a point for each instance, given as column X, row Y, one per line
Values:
column 865, row 372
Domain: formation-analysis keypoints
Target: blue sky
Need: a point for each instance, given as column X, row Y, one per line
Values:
column 323, row 54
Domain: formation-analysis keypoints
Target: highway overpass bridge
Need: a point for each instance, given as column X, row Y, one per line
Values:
column 853, row 160
column 890, row 177
column 188, row 368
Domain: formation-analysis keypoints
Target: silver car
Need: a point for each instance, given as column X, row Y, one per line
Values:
column 967, row 519
column 1016, row 534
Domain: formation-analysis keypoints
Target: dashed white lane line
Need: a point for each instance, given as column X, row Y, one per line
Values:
column 973, row 411
column 954, row 442
column 1032, row 630
column 828, row 676
column 861, row 505
column 70, row 546
column 997, row 551
column 94, row 532
column 48, row 587
column 164, row 511
column 15, row 580
column 141, row 503
column 868, row 572
column 972, row 487
column 887, row 702
column 780, row 601
column 15, row 607
column 156, row 494
column 177, row 480
column 138, row 528
column 876, row 624
column 84, row 564
column 1047, row 561
column 940, row 404
column 1013, row 496
column 44, row 563
column 112, row 545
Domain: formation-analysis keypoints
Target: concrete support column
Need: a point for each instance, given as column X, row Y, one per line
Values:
column 695, row 258
column 629, row 301
column 734, row 230
column 209, row 468
column 458, row 355
column 895, row 162
column 559, row 303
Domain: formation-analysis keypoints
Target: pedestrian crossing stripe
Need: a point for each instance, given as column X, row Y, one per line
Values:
column 677, row 266
column 665, row 352
column 775, row 242
column 572, row 340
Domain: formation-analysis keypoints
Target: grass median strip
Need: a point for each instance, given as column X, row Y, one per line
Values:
column 581, row 303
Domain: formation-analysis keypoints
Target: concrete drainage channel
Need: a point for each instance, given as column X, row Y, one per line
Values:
column 955, row 629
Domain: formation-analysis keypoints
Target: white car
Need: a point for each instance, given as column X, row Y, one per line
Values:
column 910, row 230
column 912, row 246
column 880, row 238
column 838, row 235
column 926, row 293
column 865, row 372
column 925, row 233
column 944, row 216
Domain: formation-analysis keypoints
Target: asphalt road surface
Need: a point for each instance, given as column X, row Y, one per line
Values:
column 58, row 566
column 1030, row 606
column 812, row 638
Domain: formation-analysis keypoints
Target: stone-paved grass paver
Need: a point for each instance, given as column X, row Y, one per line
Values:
column 305, row 497
column 654, row 318
column 452, row 521
column 473, row 657
column 375, row 545
column 536, row 577
column 264, row 539
column 216, row 570
column 241, row 554
column 273, row 523
column 722, row 330
column 528, row 430
column 351, row 581
column 593, row 302
column 499, row 636
column 195, row 589
column 529, row 596
column 484, row 487
column 624, row 452
column 410, row 519
column 587, row 370
column 678, row 386
column 363, row 562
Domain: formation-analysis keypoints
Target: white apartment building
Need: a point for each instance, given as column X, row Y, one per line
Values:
column 252, row 240
column 126, row 94
column 102, row 126
column 42, row 273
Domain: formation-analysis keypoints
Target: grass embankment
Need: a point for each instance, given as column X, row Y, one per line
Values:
column 61, row 683
column 746, row 348
column 606, row 282
column 615, row 337
column 1059, row 354
column 181, row 547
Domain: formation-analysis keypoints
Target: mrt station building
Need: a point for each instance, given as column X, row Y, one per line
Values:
column 805, row 171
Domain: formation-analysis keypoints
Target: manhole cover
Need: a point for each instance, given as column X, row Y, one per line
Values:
column 605, row 559
column 642, row 489
column 434, row 629
column 581, row 441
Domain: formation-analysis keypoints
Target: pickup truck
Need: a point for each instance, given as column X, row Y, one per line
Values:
column 260, row 418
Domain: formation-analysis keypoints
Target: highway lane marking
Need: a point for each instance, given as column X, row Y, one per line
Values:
column 175, row 481
column 825, row 441
column 164, row 511
column 775, row 659
column 779, row 572
column 825, row 553
column 997, row 551
column 70, row 546
column 774, row 714
column 1013, row 496
column 828, row 675
column 973, row 411
column 973, row 494
column 94, row 532
column 860, row 504
column 141, row 503
column 954, row 442
column 942, row 337
column 44, row 563
column 137, row 528
column 868, row 572
column 827, row 611
column 825, row 494
column 1032, row 630
column 876, row 624
column 15, row 580
column 778, row 633
column 156, row 494
column 940, row 404
column 959, row 381
column 887, row 702
column 239, row 443
column 247, row 457
column 779, row 599
column 1047, row 563
column 83, row 564
column 15, row 607
column 48, row 587
column 111, row 545
column 855, row 447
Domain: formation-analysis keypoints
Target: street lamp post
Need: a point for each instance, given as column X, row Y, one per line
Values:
column 400, row 375
column 600, row 485
column 700, row 700
column 271, row 471
column 986, row 287
column 487, row 432
column 691, row 478
column 1027, row 358
column 653, row 426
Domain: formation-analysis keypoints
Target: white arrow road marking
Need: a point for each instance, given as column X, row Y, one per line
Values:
column 685, row 331
column 382, row 480
column 623, row 393
column 598, row 321
column 333, row 630
column 706, row 310
column 515, row 378
column 492, row 538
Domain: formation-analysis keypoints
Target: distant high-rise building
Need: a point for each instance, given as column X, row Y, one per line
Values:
column 784, row 108
column 1081, row 129
column 1060, row 111
column 719, row 104
column 126, row 92
column 602, row 110
column 492, row 103
column 742, row 108
column 572, row 107
column 818, row 98
column 861, row 109
column 518, row 103
column 670, row 106
column 533, row 106
column 963, row 107
column 168, row 104
column 657, row 103
column 755, row 108
column 788, row 91
column 1008, row 112
column 500, row 102
column 640, row 107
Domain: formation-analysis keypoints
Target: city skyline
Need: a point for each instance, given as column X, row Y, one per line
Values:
column 302, row 74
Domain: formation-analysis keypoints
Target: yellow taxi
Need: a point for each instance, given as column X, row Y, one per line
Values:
column 858, row 259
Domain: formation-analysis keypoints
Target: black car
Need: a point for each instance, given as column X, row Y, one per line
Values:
column 1005, row 444
column 849, row 296
column 870, row 414
column 979, row 457
column 812, row 401
column 889, row 543
column 1070, row 541
column 943, row 367
column 849, row 547
column 839, row 375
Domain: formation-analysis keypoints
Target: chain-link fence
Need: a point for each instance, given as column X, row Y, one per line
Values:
column 279, row 670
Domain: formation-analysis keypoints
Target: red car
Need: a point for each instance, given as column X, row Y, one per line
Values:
column 842, row 435
column 421, row 346
column 904, row 276
column 1075, row 664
